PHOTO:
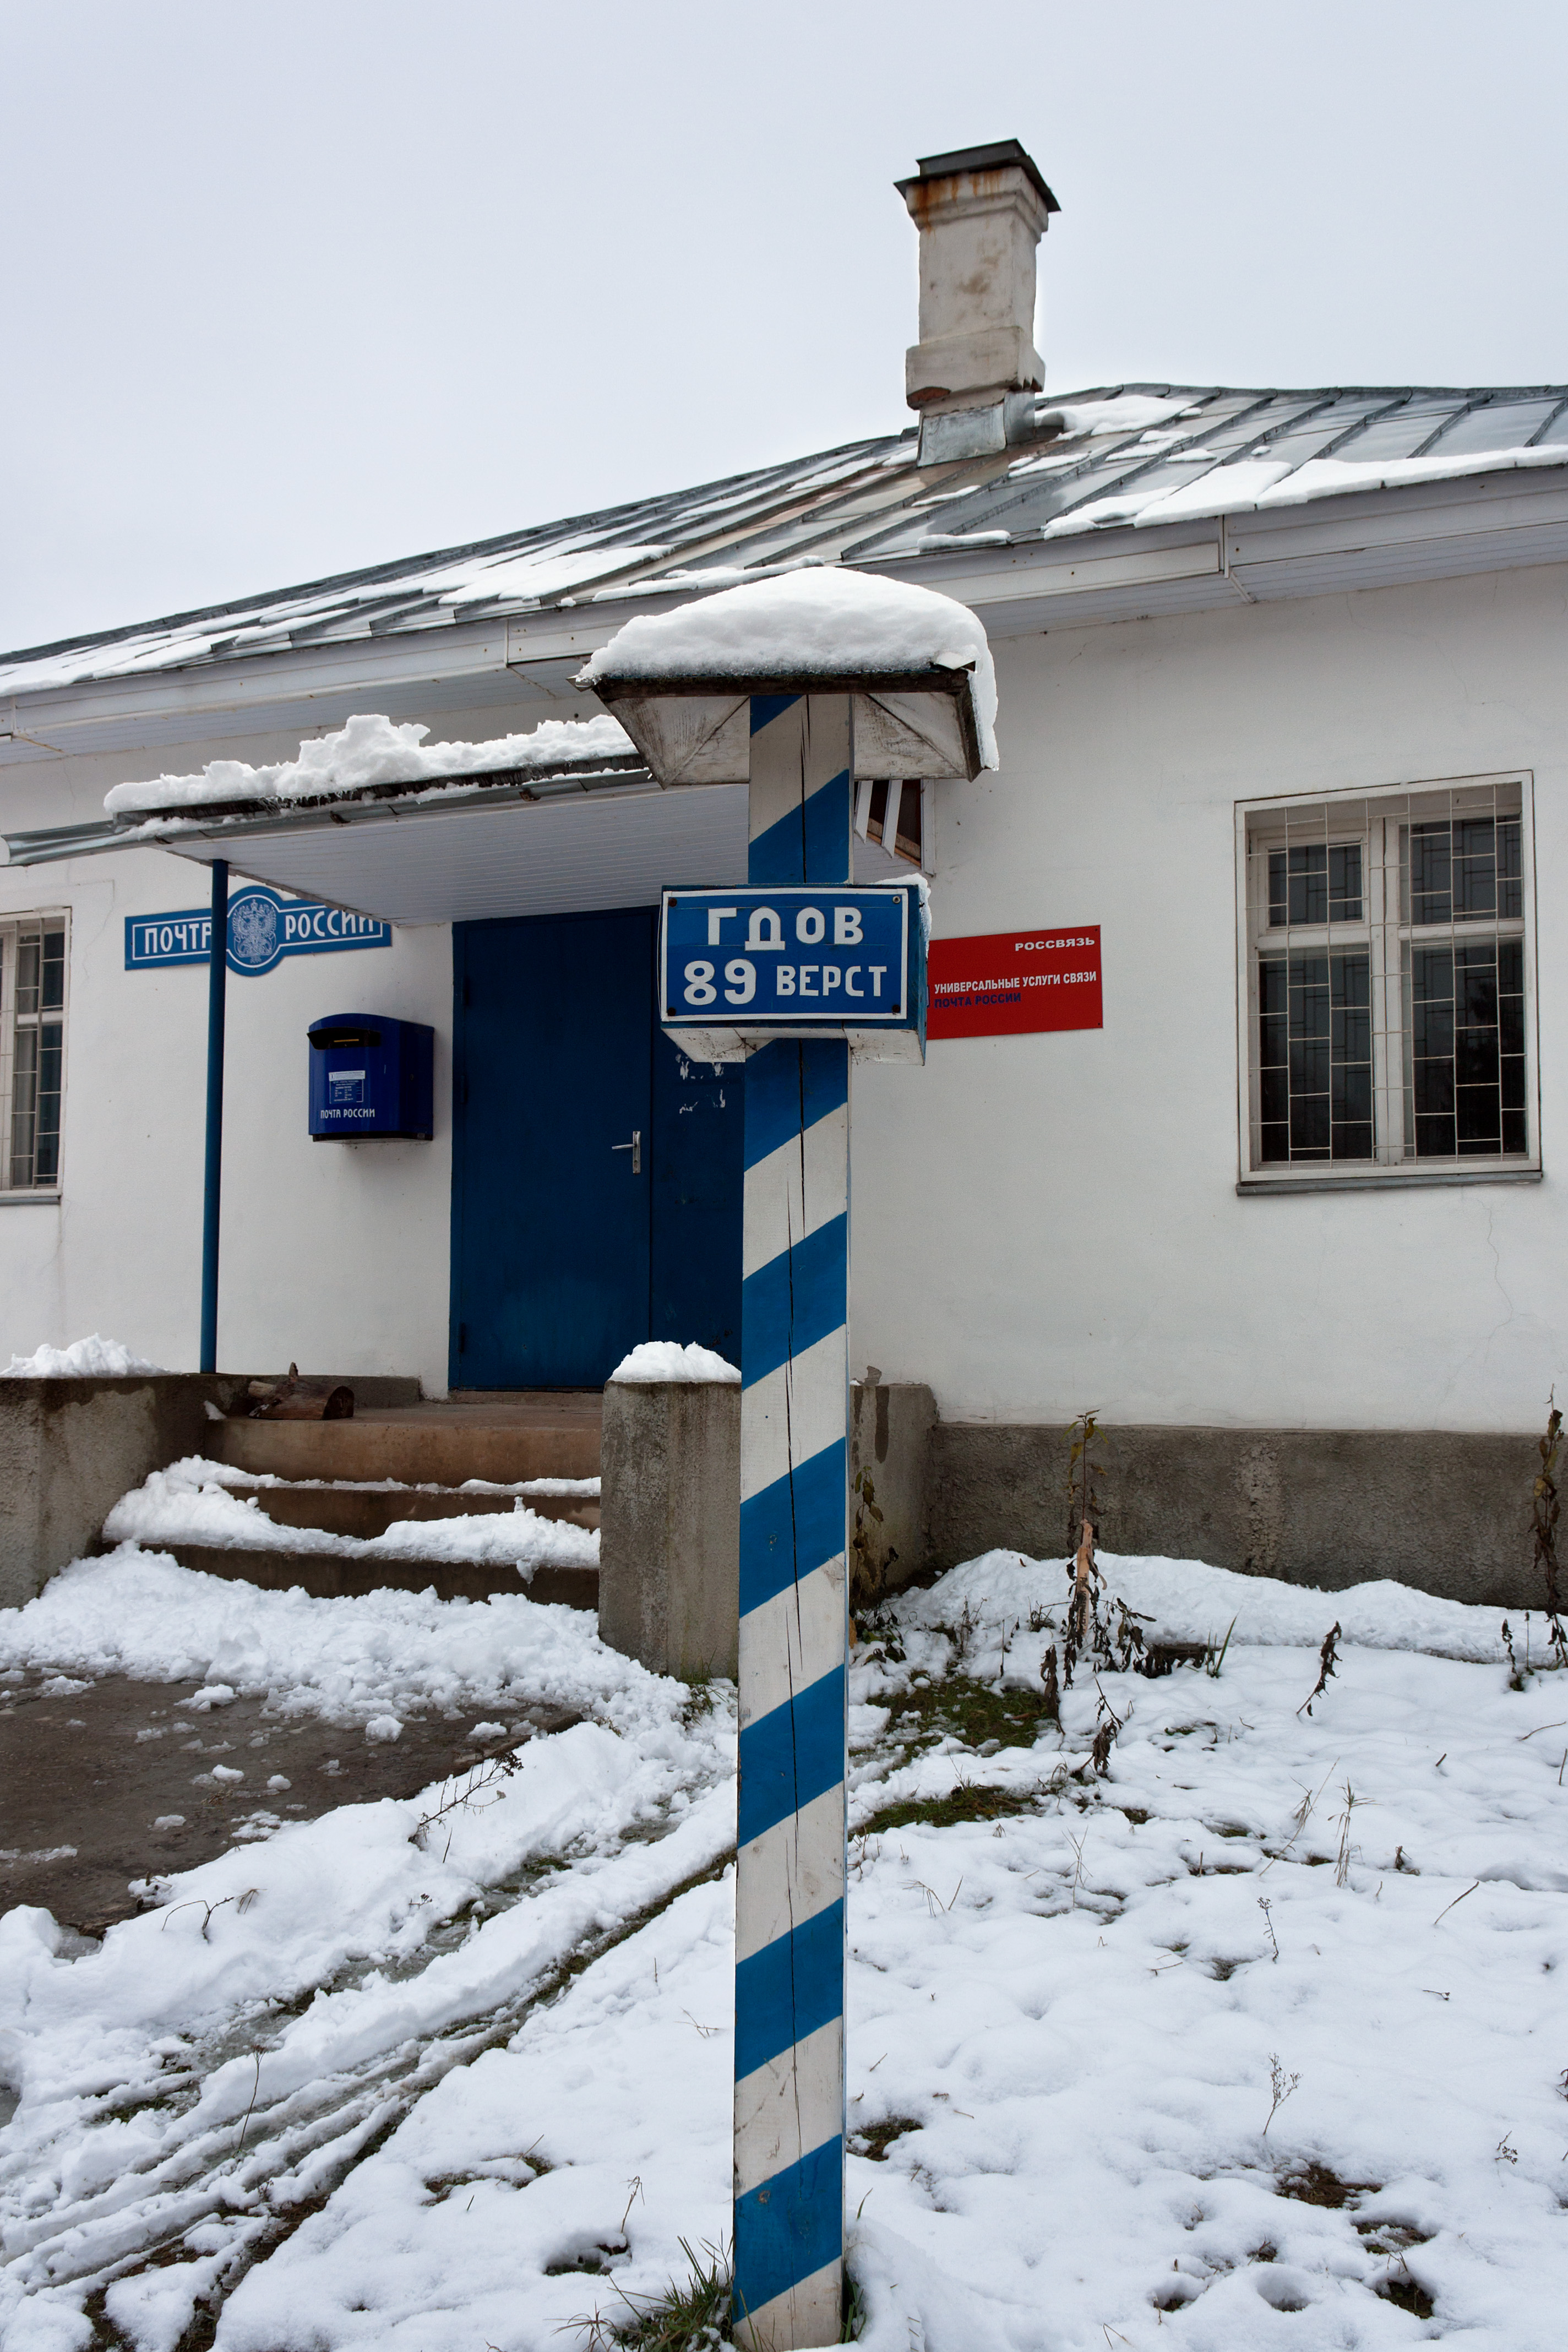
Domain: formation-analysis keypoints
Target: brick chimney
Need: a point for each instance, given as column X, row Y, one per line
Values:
column 981, row 213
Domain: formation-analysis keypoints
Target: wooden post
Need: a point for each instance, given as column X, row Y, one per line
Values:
column 790, row 1877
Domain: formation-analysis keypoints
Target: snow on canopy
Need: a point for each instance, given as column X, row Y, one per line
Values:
column 813, row 621
column 370, row 750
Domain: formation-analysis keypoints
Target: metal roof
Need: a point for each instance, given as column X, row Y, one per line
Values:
column 1123, row 456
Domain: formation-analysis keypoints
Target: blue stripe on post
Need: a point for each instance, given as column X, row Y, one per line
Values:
column 794, row 1300
column 829, row 818
column 788, row 1090
column 808, row 845
column 789, row 2227
column 791, row 1755
column 792, row 1527
column 788, row 1990
column 768, row 707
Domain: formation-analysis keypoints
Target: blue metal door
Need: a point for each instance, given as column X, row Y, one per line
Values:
column 568, row 1247
column 550, row 1204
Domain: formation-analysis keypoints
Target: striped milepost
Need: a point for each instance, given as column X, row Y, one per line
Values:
column 789, row 1877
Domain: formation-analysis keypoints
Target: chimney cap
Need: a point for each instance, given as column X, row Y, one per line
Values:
column 994, row 158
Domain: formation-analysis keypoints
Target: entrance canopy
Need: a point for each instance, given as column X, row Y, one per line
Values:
column 371, row 818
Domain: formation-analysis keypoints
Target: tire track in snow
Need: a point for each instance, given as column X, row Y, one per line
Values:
column 273, row 2131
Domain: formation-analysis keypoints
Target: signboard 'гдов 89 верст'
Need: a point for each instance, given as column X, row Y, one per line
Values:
column 807, row 961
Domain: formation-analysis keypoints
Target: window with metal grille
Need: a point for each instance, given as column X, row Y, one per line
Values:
column 1388, row 976
column 33, row 987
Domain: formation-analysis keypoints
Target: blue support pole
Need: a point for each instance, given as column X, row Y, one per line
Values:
column 789, row 1877
column 217, row 978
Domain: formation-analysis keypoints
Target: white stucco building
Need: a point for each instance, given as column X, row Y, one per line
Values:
column 1283, row 712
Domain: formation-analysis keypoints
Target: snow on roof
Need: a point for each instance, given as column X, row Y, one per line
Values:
column 821, row 622
column 370, row 751
column 1143, row 454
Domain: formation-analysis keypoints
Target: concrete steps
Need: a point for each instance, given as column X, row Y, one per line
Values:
column 329, row 1576
column 369, row 1510
column 506, row 1437
column 409, row 1462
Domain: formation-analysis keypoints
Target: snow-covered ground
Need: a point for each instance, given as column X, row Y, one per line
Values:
column 367, row 2083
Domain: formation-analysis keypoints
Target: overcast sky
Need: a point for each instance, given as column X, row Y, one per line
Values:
column 294, row 289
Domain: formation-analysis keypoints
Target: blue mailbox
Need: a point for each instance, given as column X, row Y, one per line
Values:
column 371, row 1075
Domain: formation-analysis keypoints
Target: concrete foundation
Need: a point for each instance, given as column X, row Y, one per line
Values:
column 890, row 1426
column 70, row 1449
column 1446, row 1512
column 670, row 1528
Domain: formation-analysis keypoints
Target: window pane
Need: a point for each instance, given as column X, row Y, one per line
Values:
column 1432, row 975
column 46, row 1138
column 1434, row 1084
column 1475, row 1058
column 1309, row 883
column 1431, row 887
column 1308, row 1127
column 30, row 955
column 1315, row 1055
column 54, row 972
column 1467, row 1054
column 1277, row 892
column 1510, row 865
column 24, row 1098
column 1474, row 867
column 1431, row 1030
column 1345, row 882
column 1478, row 1118
column 1475, row 984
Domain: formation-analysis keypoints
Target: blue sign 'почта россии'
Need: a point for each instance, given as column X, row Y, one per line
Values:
column 263, row 927
column 797, row 958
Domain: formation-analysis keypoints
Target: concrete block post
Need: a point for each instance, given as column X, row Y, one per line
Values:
column 70, row 1448
column 669, row 1523
column 890, row 1424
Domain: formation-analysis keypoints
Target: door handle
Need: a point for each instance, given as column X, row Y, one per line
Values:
column 634, row 1147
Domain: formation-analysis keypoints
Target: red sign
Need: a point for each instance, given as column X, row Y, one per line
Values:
column 1013, row 981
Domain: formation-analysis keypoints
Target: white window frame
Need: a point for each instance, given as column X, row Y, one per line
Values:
column 13, row 929
column 1370, row 816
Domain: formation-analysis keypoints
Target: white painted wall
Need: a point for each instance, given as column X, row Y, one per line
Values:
column 1047, row 1223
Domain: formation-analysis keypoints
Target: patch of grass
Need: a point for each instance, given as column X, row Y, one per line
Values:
column 1390, row 2237
column 1315, row 2184
column 692, row 2315
column 961, row 1709
column 875, row 2139
column 687, row 2317
column 1407, row 2295
column 946, row 1813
